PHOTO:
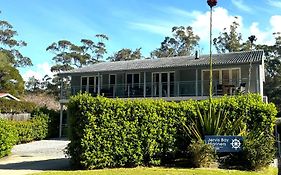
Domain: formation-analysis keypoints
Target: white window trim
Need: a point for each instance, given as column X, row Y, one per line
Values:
column 109, row 79
column 133, row 83
column 160, row 81
column 87, row 85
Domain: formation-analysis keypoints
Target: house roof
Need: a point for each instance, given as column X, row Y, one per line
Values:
column 8, row 96
column 171, row 62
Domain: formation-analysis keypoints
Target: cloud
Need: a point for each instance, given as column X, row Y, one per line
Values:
column 163, row 29
column 263, row 37
column 274, row 3
column 38, row 71
column 275, row 23
column 241, row 5
column 221, row 19
column 200, row 22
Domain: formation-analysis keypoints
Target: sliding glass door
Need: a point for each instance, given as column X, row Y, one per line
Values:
column 163, row 84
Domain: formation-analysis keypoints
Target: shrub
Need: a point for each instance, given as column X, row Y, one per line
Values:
column 8, row 137
column 114, row 133
column 258, row 151
column 117, row 133
column 34, row 129
column 201, row 154
column 11, row 106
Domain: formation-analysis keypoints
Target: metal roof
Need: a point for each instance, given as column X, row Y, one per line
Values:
column 172, row 62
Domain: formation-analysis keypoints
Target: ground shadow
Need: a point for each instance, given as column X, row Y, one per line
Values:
column 50, row 164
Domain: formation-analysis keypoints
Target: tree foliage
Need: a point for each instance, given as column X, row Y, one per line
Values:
column 126, row 54
column 183, row 43
column 231, row 41
column 69, row 56
column 9, row 46
column 11, row 80
column 272, row 86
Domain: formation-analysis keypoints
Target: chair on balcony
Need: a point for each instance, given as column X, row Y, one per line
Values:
column 219, row 89
column 241, row 89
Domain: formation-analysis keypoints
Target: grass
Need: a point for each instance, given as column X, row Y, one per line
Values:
column 160, row 171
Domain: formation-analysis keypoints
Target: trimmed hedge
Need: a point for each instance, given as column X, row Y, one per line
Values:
column 12, row 106
column 34, row 129
column 123, row 133
column 8, row 137
column 14, row 132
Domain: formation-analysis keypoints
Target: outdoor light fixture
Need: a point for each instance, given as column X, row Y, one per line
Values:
column 212, row 3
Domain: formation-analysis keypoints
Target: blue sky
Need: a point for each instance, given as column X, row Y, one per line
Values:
column 129, row 23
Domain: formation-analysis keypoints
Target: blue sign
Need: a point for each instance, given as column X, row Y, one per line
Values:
column 225, row 143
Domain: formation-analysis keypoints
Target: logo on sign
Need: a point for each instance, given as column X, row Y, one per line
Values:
column 225, row 143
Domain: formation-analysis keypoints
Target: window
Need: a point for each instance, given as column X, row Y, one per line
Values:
column 133, row 79
column 221, row 77
column 90, row 84
column 112, row 79
column 84, row 84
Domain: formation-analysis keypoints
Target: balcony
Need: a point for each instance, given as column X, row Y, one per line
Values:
column 172, row 90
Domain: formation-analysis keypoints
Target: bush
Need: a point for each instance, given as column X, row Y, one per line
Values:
column 117, row 133
column 13, row 132
column 258, row 151
column 34, row 129
column 201, row 154
column 53, row 120
column 8, row 137
column 114, row 133
column 11, row 106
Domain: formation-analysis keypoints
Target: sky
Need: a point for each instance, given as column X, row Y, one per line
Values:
column 130, row 23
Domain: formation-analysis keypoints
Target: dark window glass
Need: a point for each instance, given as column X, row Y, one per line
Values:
column 129, row 78
column 91, row 81
column 112, row 79
column 84, row 81
column 136, row 78
column 172, row 77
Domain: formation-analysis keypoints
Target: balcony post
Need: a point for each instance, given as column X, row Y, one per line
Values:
column 61, row 88
column 61, row 116
column 99, row 82
column 144, row 84
column 196, row 82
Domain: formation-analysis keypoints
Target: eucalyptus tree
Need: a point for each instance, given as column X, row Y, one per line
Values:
column 69, row 56
column 231, row 41
column 183, row 42
column 9, row 46
column 126, row 54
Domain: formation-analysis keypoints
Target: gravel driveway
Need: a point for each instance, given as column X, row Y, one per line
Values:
column 35, row 156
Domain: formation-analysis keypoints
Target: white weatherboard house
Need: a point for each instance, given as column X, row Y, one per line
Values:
column 173, row 78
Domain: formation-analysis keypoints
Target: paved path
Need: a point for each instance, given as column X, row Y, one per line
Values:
column 35, row 157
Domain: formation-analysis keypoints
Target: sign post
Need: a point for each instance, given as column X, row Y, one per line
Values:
column 225, row 143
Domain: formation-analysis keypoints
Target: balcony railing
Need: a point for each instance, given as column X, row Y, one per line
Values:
column 173, row 89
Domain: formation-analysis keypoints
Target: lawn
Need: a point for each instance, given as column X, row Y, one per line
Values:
column 160, row 171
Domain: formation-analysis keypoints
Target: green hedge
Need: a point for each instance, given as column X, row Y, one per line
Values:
column 12, row 106
column 113, row 133
column 8, row 137
column 117, row 133
column 13, row 132
column 34, row 129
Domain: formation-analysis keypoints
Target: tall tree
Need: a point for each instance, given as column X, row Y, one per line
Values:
column 69, row 56
column 9, row 46
column 126, row 54
column 11, row 80
column 231, row 41
column 33, row 84
column 272, row 86
column 183, row 43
